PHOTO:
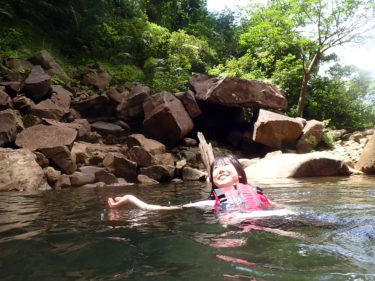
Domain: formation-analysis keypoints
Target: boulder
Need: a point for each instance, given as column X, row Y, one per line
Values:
column 232, row 91
column 18, row 64
column 115, row 95
column 22, row 103
column 190, row 103
column 141, row 156
column 106, row 128
column 289, row 165
column 14, row 76
column 159, row 173
column 52, row 175
column 20, row 171
column 143, row 179
column 191, row 174
column 366, row 161
column 100, row 80
column 96, row 108
column 45, row 59
column 122, row 167
column 61, row 96
column 43, row 136
column 41, row 159
column 311, row 136
column 8, row 126
column 48, row 109
column 93, row 153
column 5, row 100
column 79, row 179
column 61, row 157
column 82, row 126
column 276, row 130
column 92, row 170
column 152, row 146
column 12, row 88
column 166, row 119
column 131, row 106
column 37, row 83
column 58, row 74
column 166, row 159
column 106, row 177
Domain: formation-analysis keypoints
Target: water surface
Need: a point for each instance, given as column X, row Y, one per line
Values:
column 72, row 235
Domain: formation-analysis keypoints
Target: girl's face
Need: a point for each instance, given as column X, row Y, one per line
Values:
column 224, row 174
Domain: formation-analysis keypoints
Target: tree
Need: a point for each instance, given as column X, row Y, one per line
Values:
column 344, row 98
column 326, row 24
column 310, row 27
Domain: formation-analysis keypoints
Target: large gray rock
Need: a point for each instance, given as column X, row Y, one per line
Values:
column 166, row 119
column 48, row 109
column 289, row 165
column 80, row 179
column 62, row 157
column 93, row 153
column 276, row 130
column 366, row 161
column 141, row 156
column 37, row 83
column 191, row 174
column 20, row 171
column 311, row 136
column 232, row 91
column 96, row 108
column 61, row 96
column 5, row 100
column 152, row 146
column 190, row 103
column 43, row 136
column 8, row 126
column 82, row 126
column 45, row 59
column 131, row 106
column 122, row 167
column 106, row 128
column 18, row 64
column 100, row 80
column 159, row 172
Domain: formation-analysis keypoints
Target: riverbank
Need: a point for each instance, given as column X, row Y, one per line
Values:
column 71, row 129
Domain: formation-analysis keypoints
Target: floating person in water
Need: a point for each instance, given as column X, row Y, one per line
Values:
column 230, row 191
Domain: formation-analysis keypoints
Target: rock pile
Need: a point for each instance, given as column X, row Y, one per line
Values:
column 88, row 131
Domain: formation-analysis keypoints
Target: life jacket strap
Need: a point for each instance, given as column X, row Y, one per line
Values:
column 220, row 195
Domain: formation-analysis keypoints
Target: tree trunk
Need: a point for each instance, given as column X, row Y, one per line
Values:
column 302, row 94
column 305, row 81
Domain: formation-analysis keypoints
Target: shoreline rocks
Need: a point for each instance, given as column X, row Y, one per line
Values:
column 133, row 135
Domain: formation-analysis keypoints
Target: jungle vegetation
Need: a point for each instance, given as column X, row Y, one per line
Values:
column 161, row 43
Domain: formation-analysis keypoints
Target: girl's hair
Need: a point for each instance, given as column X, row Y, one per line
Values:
column 236, row 164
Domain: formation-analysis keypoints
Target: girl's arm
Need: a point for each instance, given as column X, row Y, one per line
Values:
column 119, row 201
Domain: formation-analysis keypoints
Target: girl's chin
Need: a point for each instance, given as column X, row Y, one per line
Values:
column 224, row 185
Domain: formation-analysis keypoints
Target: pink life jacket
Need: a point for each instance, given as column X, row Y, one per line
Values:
column 241, row 197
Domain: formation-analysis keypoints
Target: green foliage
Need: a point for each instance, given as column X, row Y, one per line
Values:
column 328, row 139
column 345, row 98
column 10, row 40
column 161, row 43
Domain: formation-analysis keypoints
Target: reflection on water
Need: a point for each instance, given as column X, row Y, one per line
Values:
column 72, row 235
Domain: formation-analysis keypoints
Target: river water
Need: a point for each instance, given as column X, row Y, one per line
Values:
column 71, row 235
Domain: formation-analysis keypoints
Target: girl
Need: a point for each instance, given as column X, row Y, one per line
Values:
column 230, row 191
